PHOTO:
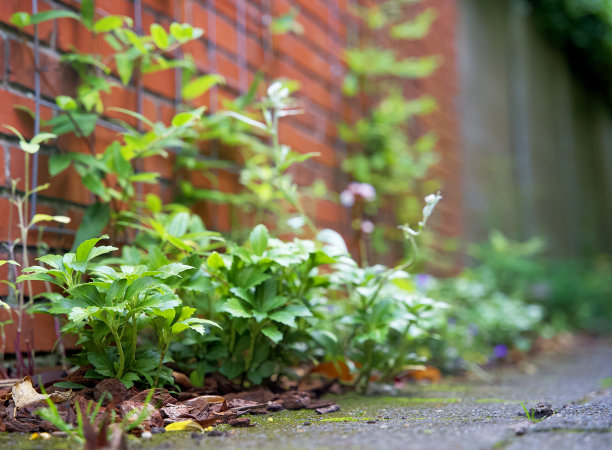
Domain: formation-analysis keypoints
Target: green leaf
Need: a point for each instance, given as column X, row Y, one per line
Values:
column 9, row 261
column 87, row 12
column 145, row 177
column 214, row 261
column 141, row 285
column 416, row 28
column 21, row 19
column 178, row 225
column 58, row 163
column 95, row 219
column 65, row 102
column 184, row 32
column 298, row 311
column 94, row 183
column 153, row 202
column 273, row 334
column 101, row 250
column 170, row 270
column 283, row 317
column 186, row 117
column 125, row 67
column 108, row 23
column 159, row 35
column 231, row 369
column 63, row 124
column 259, row 239
column 235, row 308
column 201, row 85
column 84, row 249
column 53, row 14
column 69, row 385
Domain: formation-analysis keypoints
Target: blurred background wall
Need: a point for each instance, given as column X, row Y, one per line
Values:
column 537, row 141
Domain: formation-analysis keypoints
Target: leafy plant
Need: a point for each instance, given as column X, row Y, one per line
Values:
column 20, row 199
column 108, row 312
column 264, row 295
column 378, row 311
column 270, row 193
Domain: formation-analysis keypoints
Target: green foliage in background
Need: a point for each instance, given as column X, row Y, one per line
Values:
column 386, row 147
column 583, row 31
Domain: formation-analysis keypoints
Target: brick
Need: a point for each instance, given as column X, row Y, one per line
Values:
column 255, row 53
column 228, row 8
column 229, row 69
column 303, row 56
column 225, row 34
column 56, row 78
column 120, row 97
column 162, row 82
column 4, row 50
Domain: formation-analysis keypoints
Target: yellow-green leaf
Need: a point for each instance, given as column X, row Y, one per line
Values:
column 201, row 85
column 184, row 425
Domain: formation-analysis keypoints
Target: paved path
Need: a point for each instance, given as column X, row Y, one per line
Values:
column 473, row 415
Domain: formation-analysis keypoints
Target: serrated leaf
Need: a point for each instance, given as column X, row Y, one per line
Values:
column 283, row 317
column 214, row 261
column 170, row 270
column 235, row 308
column 273, row 334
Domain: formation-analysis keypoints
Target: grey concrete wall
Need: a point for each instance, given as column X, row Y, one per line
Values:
column 537, row 146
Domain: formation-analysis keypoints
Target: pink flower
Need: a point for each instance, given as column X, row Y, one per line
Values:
column 367, row 226
column 363, row 190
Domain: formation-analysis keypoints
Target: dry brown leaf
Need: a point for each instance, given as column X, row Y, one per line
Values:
column 197, row 401
column 24, row 394
column 182, row 380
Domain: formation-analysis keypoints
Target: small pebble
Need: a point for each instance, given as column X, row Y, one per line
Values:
column 146, row 435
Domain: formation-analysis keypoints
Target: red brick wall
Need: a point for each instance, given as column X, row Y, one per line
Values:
column 242, row 46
